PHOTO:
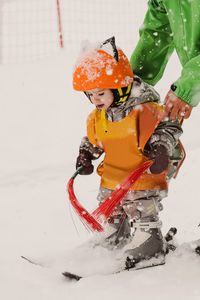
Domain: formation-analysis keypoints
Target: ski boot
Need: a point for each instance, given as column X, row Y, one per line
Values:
column 122, row 234
column 118, row 231
column 147, row 247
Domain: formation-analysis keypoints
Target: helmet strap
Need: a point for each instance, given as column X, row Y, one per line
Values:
column 121, row 95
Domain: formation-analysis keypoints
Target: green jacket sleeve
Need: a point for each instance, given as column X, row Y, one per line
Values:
column 155, row 46
column 188, row 85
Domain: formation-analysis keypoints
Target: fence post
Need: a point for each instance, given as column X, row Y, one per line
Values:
column 59, row 25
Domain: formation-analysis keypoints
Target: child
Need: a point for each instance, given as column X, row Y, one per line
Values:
column 127, row 127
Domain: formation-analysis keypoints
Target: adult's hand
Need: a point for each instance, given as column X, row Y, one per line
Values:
column 175, row 107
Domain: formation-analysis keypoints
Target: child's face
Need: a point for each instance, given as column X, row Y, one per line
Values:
column 101, row 98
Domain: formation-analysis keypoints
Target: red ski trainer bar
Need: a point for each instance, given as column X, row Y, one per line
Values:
column 106, row 208
column 82, row 212
column 110, row 203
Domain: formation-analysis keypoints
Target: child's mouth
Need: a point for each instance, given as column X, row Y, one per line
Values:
column 100, row 106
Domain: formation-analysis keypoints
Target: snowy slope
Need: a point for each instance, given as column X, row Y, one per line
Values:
column 42, row 121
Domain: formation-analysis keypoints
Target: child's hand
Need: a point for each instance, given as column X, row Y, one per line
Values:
column 160, row 156
column 84, row 159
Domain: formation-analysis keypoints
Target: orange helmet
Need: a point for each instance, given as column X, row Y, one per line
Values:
column 97, row 68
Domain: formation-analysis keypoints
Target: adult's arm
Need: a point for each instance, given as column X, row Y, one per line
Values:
column 187, row 87
column 155, row 45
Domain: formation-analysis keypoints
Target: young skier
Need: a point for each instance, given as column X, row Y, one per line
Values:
column 127, row 127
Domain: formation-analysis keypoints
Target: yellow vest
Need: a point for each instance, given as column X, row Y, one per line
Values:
column 123, row 144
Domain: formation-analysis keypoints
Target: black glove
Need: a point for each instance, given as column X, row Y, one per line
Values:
column 85, row 159
column 160, row 156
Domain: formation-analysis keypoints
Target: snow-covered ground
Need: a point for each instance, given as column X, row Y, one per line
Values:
column 42, row 121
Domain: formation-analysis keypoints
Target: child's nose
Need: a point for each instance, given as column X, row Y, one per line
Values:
column 95, row 99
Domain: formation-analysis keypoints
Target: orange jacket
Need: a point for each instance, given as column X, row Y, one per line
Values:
column 124, row 144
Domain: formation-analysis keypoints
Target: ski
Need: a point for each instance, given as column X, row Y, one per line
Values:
column 72, row 276
column 139, row 266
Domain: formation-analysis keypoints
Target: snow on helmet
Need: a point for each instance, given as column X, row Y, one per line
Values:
column 103, row 67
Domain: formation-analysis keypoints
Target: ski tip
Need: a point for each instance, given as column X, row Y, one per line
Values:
column 72, row 276
column 31, row 261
